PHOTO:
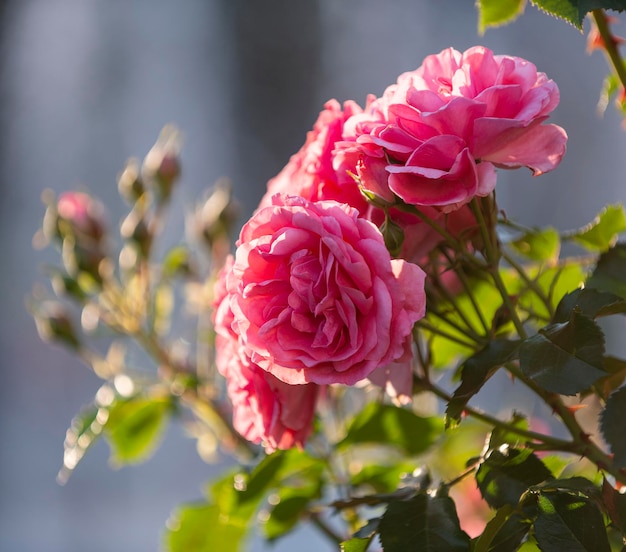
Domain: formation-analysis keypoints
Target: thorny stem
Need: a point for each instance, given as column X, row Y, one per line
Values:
column 610, row 45
column 554, row 442
column 581, row 442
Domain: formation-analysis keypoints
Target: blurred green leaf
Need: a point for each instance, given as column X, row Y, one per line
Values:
column 355, row 545
column 177, row 262
column 390, row 425
column 554, row 283
column 602, row 233
column 613, row 426
column 569, row 522
column 444, row 351
column 424, row 523
column 493, row 13
column 610, row 272
column 202, row 528
column 135, row 426
column 383, row 479
column 506, row 474
column 590, row 302
column 540, row 245
column 565, row 358
column 292, row 505
column 475, row 373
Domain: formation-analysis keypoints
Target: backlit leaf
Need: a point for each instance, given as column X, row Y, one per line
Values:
column 202, row 528
column 391, row 425
column 493, row 13
column 602, row 233
column 135, row 427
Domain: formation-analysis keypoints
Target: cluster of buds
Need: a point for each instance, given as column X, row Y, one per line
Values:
column 76, row 222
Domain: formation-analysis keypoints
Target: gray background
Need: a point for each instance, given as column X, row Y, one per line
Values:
column 86, row 84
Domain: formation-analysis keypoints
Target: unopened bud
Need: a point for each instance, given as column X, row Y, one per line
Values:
column 54, row 324
column 129, row 183
column 215, row 218
column 81, row 216
column 161, row 166
column 393, row 236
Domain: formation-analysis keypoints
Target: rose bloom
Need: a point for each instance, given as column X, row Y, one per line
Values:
column 310, row 172
column 265, row 410
column 436, row 136
column 316, row 297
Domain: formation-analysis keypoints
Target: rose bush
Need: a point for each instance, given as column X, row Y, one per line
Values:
column 316, row 297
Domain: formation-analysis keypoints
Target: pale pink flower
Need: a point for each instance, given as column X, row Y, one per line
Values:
column 265, row 410
column 84, row 214
column 441, row 130
column 316, row 297
column 310, row 172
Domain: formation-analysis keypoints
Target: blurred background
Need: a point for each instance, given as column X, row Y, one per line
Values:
column 85, row 84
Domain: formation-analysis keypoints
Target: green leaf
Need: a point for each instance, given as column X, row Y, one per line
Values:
column 613, row 426
column 506, row 474
column 383, row 479
column 540, row 245
column 424, row 523
column 291, row 506
column 475, row 373
column 610, row 272
column 503, row 533
column 602, row 233
column 616, row 368
column 493, row 13
column 390, row 425
column 554, row 283
column 502, row 436
column 202, row 528
column 590, row 302
column 355, row 545
column 135, row 427
column 565, row 358
column 573, row 485
column 177, row 262
column 574, row 11
column 569, row 522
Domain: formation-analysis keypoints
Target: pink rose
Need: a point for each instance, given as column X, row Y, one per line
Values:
column 441, row 130
column 316, row 297
column 265, row 410
column 310, row 173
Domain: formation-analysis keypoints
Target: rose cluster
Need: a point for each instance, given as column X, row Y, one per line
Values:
column 315, row 295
